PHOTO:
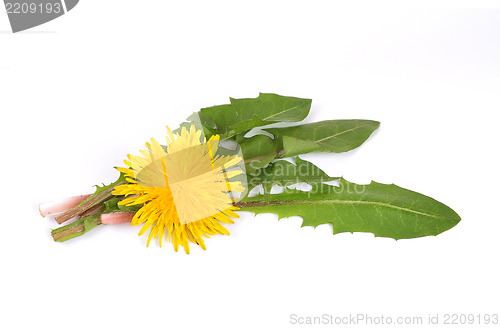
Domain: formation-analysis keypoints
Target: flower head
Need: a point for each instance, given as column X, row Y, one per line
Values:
column 186, row 188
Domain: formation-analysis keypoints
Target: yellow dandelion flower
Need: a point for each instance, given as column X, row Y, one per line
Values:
column 186, row 188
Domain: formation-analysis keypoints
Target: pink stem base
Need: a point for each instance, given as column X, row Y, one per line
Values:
column 61, row 205
column 119, row 217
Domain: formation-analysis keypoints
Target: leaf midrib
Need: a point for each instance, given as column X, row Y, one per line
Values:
column 339, row 133
column 334, row 201
column 284, row 111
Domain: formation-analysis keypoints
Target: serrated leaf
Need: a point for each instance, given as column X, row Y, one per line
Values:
column 326, row 136
column 284, row 174
column 106, row 188
column 244, row 114
column 384, row 210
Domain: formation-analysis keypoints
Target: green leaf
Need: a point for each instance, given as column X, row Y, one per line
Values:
column 284, row 174
column 248, row 125
column 384, row 210
column 258, row 151
column 244, row 114
column 326, row 136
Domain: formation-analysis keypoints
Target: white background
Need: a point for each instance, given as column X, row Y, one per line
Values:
column 79, row 93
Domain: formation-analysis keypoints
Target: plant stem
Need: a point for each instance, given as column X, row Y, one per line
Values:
column 77, row 228
column 61, row 205
column 92, row 203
